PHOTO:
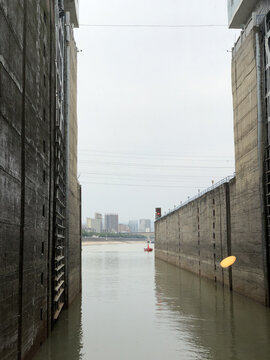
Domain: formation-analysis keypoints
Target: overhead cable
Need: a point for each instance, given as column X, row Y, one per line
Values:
column 153, row 165
column 155, row 25
column 140, row 185
column 147, row 180
column 130, row 154
column 154, row 157
column 155, row 176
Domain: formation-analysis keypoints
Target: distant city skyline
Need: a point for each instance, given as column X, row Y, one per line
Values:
column 122, row 220
column 134, row 225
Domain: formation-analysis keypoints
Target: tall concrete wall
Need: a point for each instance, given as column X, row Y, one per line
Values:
column 35, row 175
column 195, row 237
column 24, row 174
column 74, row 194
column 27, row 120
column 246, row 209
column 11, row 77
column 238, row 207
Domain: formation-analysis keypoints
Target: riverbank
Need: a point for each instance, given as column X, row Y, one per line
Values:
column 87, row 241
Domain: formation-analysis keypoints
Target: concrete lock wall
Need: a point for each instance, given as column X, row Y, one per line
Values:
column 24, row 210
column 11, row 76
column 228, row 220
column 27, row 120
column 74, row 196
column 194, row 237
column 246, row 209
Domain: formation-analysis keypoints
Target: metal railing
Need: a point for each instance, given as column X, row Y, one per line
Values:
column 201, row 193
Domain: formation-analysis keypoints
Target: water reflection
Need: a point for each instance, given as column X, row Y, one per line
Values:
column 66, row 342
column 220, row 324
column 136, row 308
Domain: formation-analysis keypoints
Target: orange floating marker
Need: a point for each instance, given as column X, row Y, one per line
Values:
column 228, row 261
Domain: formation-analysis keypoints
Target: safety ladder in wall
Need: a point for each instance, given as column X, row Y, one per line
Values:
column 59, row 228
column 59, row 268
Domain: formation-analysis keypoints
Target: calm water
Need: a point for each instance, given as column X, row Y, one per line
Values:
column 133, row 307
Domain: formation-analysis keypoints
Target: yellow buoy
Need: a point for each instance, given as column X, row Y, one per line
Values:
column 228, row 261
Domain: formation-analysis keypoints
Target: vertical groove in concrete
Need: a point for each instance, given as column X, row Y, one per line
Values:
column 51, row 183
column 179, row 230
column 228, row 228
column 262, row 154
column 220, row 234
column 80, row 214
column 67, row 145
column 22, row 184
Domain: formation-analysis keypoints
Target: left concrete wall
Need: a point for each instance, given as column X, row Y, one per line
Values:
column 73, row 188
column 11, row 78
column 36, row 173
column 27, row 147
column 25, row 103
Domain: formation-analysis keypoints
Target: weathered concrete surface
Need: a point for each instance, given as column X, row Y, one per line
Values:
column 185, row 238
column 11, row 44
column 36, row 192
column 195, row 236
column 27, row 120
column 246, row 211
column 74, row 193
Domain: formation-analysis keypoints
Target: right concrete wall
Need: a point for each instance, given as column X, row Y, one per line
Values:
column 247, row 228
column 195, row 237
column 229, row 220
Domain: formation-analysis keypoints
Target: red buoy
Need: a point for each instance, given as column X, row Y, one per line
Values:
column 148, row 249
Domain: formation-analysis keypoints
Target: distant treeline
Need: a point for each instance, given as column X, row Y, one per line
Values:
column 112, row 235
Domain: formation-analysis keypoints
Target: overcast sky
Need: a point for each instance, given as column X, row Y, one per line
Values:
column 154, row 104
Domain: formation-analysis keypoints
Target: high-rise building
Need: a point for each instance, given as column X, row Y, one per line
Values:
column 144, row 225
column 40, row 225
column 99, row 217
column 94, row 225
column 111, row 223
column 133, row 225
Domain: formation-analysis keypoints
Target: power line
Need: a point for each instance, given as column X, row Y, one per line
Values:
column 109, row 152
column 153, row 165
column 140, row 185
column 148, row 181
column 155, row 25
column 154, row 176
column 118, row 154
column 154, row 157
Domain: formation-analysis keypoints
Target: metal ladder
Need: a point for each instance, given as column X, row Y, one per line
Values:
column 59, row 269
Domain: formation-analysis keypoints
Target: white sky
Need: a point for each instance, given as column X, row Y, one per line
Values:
column 154, row 104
